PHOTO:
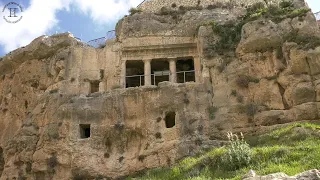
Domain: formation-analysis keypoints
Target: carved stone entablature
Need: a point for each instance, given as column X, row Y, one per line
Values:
column 159, row 52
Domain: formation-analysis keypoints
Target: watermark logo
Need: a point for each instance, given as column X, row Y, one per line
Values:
column 12, row 12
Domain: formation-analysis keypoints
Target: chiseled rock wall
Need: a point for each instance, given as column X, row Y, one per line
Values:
column 257, row 87
column 128, row 133
column 44, row 98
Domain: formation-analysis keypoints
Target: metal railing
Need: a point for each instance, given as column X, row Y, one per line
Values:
column 184, row 74
column 317, row 15
column 143, row 2
column 101, row 42
column 153, row 77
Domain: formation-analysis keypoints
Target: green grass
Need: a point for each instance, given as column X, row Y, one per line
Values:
column 292, row 149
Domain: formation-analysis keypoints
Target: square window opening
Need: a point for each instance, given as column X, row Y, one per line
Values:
column 94, row 86
column 85, row 131
column 170, row 119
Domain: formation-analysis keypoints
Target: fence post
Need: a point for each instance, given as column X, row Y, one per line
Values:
column 140, row 80
column 184, row 77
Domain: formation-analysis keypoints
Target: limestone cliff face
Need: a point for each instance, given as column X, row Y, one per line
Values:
column 65, row 112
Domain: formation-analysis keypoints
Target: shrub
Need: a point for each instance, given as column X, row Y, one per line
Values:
column 303, row 41
column 234, row 93
column 251, row 109
column 286, row 4
column 239, row 98
column 158, row 135
column 165, row 11
column 141, row 158
column 212, row 111
column 174, row 5
column 216, row 5
column 242, row 81
column 210, row 7
column 133, row 11
column 230, row 36
column 239, row 153
column 255, row 7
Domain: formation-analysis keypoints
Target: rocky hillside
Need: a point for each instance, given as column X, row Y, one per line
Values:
column 289, row 149
column 260, row 70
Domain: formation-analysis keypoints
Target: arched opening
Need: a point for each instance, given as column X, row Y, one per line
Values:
column 170, row 119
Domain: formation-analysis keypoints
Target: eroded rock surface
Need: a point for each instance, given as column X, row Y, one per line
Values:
column 65, row 112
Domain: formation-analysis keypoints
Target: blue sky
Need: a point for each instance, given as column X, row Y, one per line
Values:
column 86, row 19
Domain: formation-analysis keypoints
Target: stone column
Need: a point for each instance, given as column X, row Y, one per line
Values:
column 173, row 70
column 147, row 72
column 197, row 69
column 123, row 74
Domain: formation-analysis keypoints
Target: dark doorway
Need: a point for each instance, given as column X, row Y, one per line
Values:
column 94, row 86
column 170, row 119
column 160, row 71
column 134, row 73
column 85, row 131
column 1, row 161
column 185, row 69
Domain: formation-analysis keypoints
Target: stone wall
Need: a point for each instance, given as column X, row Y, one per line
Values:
column 156, row 5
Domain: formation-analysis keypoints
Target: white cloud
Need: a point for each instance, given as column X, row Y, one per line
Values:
column 40, row 17
column 105, row 11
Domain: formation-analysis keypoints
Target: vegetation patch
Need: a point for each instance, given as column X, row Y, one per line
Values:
column 230, row 32
column 284, row 153
column 212, row 112
column 238, row 154
column 243, row 81
column 234, row 93
column 158, row 135
column 239, row 98
column 133, row 11
column 251, row 109
column 303, row 41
